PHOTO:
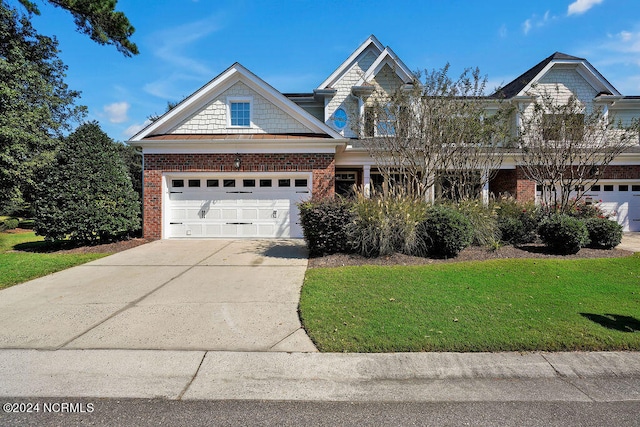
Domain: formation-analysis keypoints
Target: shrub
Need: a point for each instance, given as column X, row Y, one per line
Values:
column 563, row 234
column 603, row 233
column 445, row 231
column 483, row 222
column 11, row 223
column 86, row 194
column 384, row 225
column 324, row 225
column 583, row 210
column 517, row 222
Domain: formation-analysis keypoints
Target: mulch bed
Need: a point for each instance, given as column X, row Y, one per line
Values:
column 72, row 248
column 473, row 253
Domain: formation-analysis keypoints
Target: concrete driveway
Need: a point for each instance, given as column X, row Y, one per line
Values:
column 239, row 295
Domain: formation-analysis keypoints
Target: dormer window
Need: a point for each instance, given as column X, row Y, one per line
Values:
column 239, row 112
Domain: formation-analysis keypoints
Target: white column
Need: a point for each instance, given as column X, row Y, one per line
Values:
column 366, row 180
column 485, row 189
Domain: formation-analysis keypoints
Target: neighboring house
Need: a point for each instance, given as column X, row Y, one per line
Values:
column 235, row 157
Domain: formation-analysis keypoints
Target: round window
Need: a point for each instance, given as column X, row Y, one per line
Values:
column 340, row 118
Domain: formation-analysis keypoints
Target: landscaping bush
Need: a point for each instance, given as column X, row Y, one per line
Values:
column 324, row 225
column 86, row 193
column 11, row 223
column 483, row 222
column 517, row 222
column 603, row 233
column 445, row 231
column 384, row 225
column 563, row 234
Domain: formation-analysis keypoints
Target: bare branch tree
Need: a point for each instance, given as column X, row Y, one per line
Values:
column 567, row 145
column 436, row 131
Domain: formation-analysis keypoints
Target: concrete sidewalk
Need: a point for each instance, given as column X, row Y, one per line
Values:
column 406, row 377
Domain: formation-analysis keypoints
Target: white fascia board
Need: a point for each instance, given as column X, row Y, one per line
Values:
column 239, row 150
column 320, row 145
column 626, row 104
column 595, row 79
column 387, row 57
column 346, row 65
column 527, row 88
column 218, row 85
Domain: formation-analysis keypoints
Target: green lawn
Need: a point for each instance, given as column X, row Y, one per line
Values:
column 17, row 265
column 502, row 305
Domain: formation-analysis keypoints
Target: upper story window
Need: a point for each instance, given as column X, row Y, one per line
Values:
column 239, row 112
column 384, row 121
column 563, row 127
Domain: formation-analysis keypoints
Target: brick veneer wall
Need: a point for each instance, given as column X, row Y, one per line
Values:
column 321, row 165
column 621, row 172
column 513, row 182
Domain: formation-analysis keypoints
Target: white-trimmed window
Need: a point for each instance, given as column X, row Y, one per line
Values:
column 239, row 112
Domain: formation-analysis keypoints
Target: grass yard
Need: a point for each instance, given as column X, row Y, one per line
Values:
column 501, row 305
column 17, row 266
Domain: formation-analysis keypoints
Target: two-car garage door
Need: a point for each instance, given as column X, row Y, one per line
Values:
column 619, row 199
column 234, row 206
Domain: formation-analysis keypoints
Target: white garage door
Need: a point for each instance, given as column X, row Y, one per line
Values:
column 622, row 199
column 234, row 206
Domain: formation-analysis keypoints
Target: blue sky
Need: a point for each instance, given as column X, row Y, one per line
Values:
column 295, row 45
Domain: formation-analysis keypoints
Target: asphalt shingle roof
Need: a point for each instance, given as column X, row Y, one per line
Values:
column 513, row 88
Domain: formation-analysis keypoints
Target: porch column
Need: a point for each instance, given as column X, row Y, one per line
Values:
column 485, row 189
column 366, row 180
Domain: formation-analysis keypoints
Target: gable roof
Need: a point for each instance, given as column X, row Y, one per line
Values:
column 387, row 56
column 371, row 42
column 522, row 83
column 235, row 73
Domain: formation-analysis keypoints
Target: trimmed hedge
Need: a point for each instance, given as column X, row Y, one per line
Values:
column 603, row 233
column 563, row 234
column 324, row 225
column 445, row 231
column 518, row 222
column 11, row 223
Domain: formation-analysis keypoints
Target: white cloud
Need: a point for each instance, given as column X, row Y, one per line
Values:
column 503, row 32
column 170, row 44
column 135, row 128
column 117, row 112
column 537, row 22
column 579, row 7
column 620, row 48
column 173, row 87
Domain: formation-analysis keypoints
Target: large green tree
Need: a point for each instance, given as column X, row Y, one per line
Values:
column 98, row 19
column 36, row 106
column 86, row 194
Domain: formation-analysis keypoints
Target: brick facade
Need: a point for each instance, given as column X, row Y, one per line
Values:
column 621, row 172
column 513, row 182
column 322, row 166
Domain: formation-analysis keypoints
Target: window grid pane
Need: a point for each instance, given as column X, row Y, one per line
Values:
column 240, row 114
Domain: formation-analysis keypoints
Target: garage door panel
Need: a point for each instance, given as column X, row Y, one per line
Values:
column 622, row 205
column 248, row 213
column 238, row 212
